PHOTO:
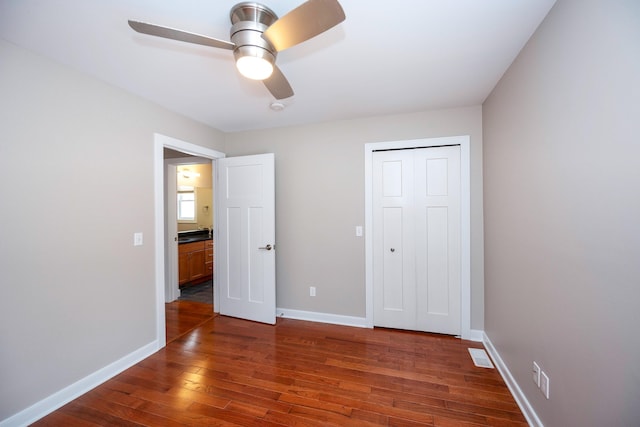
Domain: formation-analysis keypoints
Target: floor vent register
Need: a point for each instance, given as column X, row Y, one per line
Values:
column 480, row 358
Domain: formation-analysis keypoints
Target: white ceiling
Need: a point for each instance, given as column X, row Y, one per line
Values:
column 387, row 57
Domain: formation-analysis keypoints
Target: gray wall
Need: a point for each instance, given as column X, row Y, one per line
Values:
column 562, row 214
column 320, row 199
column 76, row 178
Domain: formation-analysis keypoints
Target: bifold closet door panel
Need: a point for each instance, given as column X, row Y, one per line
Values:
column 416, row 229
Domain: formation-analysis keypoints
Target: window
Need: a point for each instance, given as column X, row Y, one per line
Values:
column 187, row 206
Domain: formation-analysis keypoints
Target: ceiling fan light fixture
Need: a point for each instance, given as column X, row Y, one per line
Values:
column 257, row 35
column 254, row 67
column 254, row 57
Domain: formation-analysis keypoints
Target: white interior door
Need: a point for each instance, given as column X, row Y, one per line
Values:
column 416, row 232
column 245, row 249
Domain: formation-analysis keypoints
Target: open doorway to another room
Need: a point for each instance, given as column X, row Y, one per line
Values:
column 195, row 232
column 189, row 226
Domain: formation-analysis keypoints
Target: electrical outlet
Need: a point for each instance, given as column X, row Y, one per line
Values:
column 536, row 374
column 544, row 384
column 312, row 291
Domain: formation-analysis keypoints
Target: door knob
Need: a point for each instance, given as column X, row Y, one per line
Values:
column 268, row 247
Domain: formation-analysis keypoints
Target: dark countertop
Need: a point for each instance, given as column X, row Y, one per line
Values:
column 193, row 236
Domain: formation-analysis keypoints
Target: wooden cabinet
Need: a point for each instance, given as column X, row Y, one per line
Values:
column 193, row 261
column 183, row 266
column 208, row 257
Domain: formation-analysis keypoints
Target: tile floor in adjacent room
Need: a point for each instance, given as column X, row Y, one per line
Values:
column 202, row 292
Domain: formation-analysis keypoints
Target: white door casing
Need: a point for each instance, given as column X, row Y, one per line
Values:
column 172, row 290
column 245, row 246
column 416, row 232
column 161, row 250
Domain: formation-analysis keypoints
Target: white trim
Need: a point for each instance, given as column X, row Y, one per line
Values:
column 520, row 398
column 312, row 316
column 338, row 319
column 186, row 160
column 171, row 287
column 159, row 143
column 158, row 188
column 80, row 387
column 476, row 335
column 465, row 219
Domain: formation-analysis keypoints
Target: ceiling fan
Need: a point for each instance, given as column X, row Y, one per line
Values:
column 257, row 35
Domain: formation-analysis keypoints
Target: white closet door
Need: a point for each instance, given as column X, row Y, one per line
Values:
column 437, row 220
column 393, row 249
column 416, row 228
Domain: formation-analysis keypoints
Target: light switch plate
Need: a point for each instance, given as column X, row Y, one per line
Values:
column 536, row 374
column 137, row 239
column 358, row 231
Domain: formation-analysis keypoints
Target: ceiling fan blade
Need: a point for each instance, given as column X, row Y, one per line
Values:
column 304, row 22
column 175, row 34
column 278, row 84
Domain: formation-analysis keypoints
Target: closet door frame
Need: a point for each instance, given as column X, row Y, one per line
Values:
column 465, row 222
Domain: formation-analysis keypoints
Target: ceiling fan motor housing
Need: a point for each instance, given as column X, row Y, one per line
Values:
column 249, row 20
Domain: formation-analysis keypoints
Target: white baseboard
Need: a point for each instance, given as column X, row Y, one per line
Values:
column 526, row 408
column 476, row 335
column 80, row 387
column 313, row 316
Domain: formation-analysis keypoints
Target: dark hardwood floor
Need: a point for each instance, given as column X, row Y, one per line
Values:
column 228, row 372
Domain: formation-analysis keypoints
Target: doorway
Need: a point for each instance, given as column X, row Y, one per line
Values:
column 189, row 218
column 465, row 216
column 166, row 246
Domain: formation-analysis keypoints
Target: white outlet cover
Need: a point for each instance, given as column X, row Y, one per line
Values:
column 544, row 384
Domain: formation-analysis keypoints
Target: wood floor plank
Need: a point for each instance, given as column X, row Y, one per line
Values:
column 183, row 418
column 137, row 413
column 223, row 371
column 101, row 416
column 61, row 418
column 328, row 418
column 189, row 396
column 229, row 415
column 184, row 316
